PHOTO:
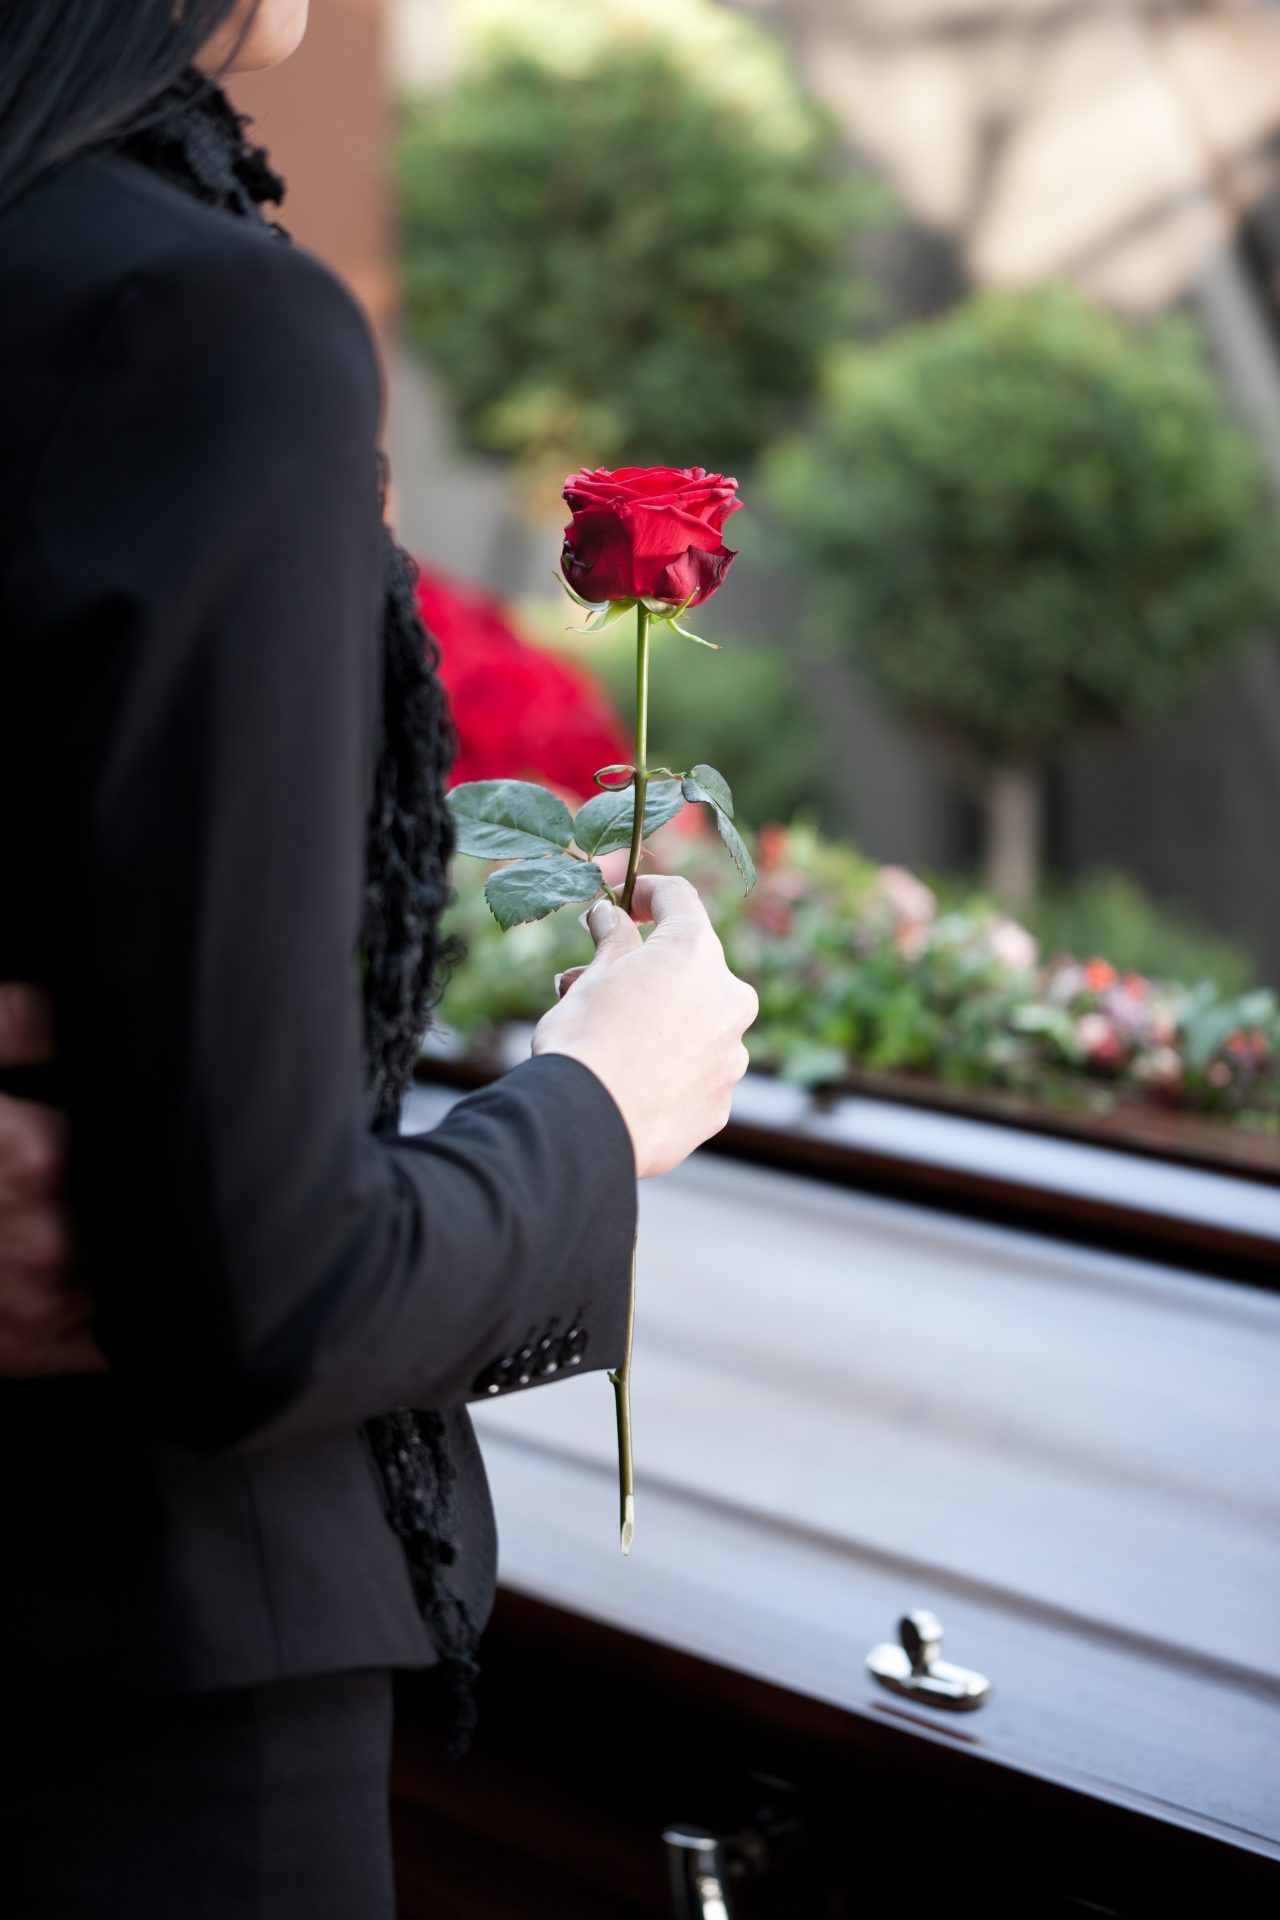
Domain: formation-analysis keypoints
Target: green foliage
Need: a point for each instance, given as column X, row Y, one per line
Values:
column 530, row 831
column 617, row 252
column 1109, row 913
column 531, row 889
column 509, row 820
column 1029, row 521
column 706, row 785
column 604, row 824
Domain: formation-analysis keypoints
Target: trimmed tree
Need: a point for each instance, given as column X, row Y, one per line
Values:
column 630, row 244
column 1030, row 522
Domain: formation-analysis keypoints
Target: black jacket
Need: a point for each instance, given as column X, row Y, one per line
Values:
column 190, row 634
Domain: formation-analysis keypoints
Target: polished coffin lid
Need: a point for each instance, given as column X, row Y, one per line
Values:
column 847, row 1407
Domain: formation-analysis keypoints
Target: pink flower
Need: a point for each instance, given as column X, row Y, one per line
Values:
column 908, row 898
column 1162, row 1067
column 911, row 939
column 1098, row 1039
column 1011, row 945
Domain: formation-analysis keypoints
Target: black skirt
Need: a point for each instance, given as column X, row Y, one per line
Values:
column 262, row 1803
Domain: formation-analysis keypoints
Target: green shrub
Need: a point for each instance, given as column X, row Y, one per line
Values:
column 1030, row 521
column 1108, row 913
column 616, row 253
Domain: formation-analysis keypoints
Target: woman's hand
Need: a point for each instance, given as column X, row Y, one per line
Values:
column 44, row 1316
column 659, row 1021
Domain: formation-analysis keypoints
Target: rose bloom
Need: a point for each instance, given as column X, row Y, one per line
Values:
column 647, row 533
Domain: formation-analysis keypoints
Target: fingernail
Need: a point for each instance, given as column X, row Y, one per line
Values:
column 559, row 977
column 601, row 919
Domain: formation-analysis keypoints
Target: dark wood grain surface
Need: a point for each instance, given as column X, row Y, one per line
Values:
column 846, row 1407
column 593, row 1741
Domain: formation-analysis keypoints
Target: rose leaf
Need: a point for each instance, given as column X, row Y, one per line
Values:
column 506, row 819
column 605, row 822
column 712, row 786
column 534, row 888
column 737, row 847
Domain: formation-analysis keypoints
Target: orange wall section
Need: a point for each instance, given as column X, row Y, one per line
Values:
column 322, row 115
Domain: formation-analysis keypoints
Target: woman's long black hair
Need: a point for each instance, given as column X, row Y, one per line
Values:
column 72, row 71
column 122, row 74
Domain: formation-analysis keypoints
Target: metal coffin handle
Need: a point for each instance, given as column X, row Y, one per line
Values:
column 702, row 1865
column 707, row 1865
column 914, row 1667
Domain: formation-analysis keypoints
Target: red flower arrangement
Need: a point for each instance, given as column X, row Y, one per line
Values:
column 521, row 713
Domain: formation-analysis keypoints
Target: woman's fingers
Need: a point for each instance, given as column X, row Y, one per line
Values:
column 671, row 902
column 38, row 1250
column 57, row 1351
column 79, row 1352
column 26, row 1025
column 33, row 1151
column 44, row 1318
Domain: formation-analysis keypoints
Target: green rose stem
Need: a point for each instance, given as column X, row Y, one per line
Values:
column 621, row 1378
column 642, row 749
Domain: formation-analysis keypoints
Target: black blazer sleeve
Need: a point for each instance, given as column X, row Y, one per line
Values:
column 201, row 579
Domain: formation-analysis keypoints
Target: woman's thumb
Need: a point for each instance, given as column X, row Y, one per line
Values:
column 613, row 931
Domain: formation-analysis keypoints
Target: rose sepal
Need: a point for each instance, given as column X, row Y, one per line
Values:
column 591, row 606
column 613, row 610
column 668, row 612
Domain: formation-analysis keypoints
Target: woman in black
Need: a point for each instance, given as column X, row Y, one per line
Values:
column 224, row 848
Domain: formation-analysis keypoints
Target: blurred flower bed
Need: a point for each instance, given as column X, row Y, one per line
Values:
column 861, row 970
column 864, row 971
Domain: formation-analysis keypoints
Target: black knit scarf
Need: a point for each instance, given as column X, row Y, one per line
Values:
column 193, row 135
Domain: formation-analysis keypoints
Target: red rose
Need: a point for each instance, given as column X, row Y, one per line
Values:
column 647, row 533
